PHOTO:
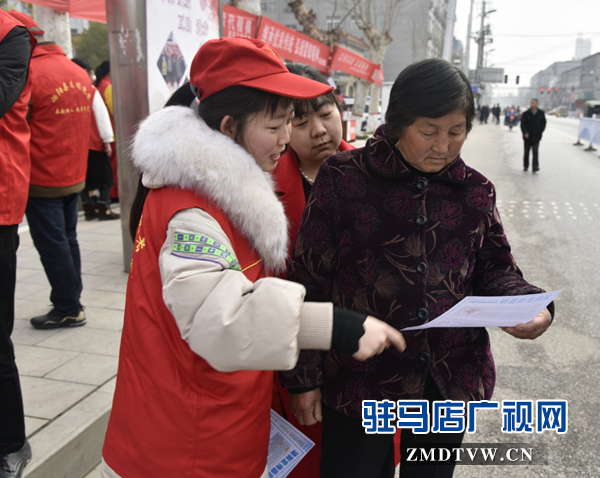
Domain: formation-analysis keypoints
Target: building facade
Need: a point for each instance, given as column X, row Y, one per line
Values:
column 417, row 32
column 571, row 84
column 546, row 85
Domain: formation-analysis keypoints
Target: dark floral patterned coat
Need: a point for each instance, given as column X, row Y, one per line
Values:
column 381, row 239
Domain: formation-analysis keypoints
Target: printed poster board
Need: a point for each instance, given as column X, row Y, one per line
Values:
column 175, row 31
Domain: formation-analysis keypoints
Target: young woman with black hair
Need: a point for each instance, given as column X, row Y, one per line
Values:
column 316, row 135
column 204, row 324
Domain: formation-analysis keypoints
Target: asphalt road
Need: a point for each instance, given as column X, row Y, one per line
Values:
column 552, row 222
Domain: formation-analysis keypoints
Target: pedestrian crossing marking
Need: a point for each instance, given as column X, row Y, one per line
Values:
column 537, row 209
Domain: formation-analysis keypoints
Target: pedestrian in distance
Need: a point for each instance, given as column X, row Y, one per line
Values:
column 59, row 118
column 403, row 229
column 16, row 46
column 99, row 172
column 205, row 324
column 533, row 124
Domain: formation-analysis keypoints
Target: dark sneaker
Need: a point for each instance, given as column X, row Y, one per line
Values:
column 54, row 320
column 11, row 466
column 535, row 170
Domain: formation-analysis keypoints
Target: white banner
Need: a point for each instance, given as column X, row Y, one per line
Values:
column 589, row 130
column 175, row 31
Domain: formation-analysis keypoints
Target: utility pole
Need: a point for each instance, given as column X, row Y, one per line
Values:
column 481, row 43
column 468, row 45
column 481, row 40
column 449, row 33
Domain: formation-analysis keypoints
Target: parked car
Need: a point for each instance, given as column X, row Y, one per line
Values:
column 562, row 111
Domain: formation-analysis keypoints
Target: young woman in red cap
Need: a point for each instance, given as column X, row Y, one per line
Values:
column 203, row 322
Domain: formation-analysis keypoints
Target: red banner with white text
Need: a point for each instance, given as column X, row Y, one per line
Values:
column 238, row 23
column 353, row 64
column 292, row 45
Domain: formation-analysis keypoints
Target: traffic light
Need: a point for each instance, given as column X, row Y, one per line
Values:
column 555, row 90
column 541, row 91
column 549, row 90
column 505, row 78
column 517, row 79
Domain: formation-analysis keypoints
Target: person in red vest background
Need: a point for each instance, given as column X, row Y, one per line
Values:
column 316, row 135
column 59, row 118
column 99, row 172
column 16, row 46
column 104, row 85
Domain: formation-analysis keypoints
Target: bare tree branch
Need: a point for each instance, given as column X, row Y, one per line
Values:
column 250, row 6
column 308, row 20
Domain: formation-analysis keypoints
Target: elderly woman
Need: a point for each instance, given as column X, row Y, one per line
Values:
column 403, row 229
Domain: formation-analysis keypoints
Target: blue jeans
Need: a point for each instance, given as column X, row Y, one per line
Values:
column 52, row 224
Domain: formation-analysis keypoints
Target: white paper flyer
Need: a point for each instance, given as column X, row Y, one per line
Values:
column 287, row 446
column 501, row 311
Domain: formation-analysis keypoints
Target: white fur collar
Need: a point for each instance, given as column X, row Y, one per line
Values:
column 173, row 147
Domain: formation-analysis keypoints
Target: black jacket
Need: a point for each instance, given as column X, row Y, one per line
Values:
column 15, row 50
column 534, row 124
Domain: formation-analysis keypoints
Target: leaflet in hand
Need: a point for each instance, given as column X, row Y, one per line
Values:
column 501, row 311
column 287, row 446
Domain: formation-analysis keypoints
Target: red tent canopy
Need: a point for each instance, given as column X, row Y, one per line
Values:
column 93, row 10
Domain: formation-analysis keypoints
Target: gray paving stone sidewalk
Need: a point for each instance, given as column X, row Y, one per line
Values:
column 68, row 375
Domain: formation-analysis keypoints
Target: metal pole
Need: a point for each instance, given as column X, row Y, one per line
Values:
column 468, row 49
column 481, row 41
column 221, row 29
column 126, row 21
column 449, row 33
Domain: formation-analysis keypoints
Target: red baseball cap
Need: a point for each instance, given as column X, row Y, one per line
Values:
column 27, row 21
column 226, row 62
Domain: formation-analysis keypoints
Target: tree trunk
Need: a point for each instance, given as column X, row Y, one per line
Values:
column 360, row 101
column 374, row 111
column 250, row 6
column 308, row 20
column 377, row 56
column 56, row 26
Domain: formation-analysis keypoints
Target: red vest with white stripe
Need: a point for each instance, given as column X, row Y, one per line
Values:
column 173, row 414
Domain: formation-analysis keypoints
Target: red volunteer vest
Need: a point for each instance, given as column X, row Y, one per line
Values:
column 288, row 181
column 14, row 146
column 60, row 118
column 174, row 415
column 96, row 143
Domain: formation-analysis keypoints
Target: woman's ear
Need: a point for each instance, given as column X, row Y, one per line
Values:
column 228, row 126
